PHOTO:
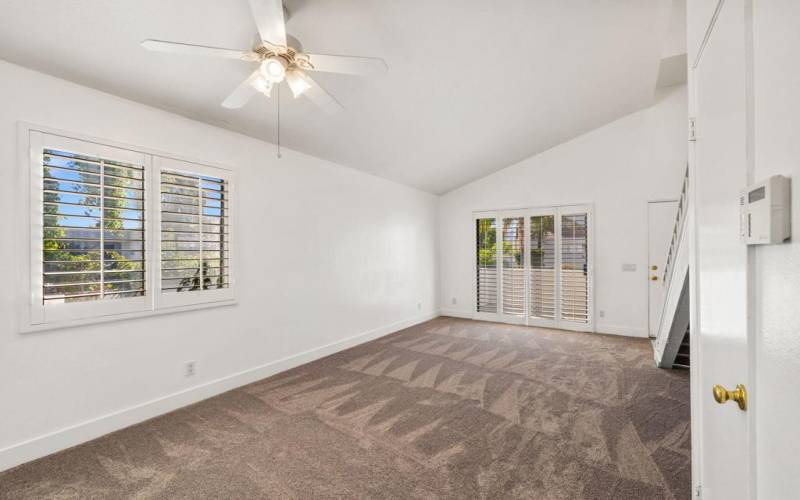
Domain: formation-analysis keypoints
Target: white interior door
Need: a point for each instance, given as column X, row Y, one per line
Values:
column 719, row 262
column 660, row 226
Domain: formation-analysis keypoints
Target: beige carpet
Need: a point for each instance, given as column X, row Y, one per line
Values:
column 449, row 408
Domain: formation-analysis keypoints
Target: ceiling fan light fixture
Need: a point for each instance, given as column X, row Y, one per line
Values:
column 263, row 85
column 297, row 83
column 274, row 69
column 277, row 57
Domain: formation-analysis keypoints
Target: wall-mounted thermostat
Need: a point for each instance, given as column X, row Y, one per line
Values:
column 766, row 211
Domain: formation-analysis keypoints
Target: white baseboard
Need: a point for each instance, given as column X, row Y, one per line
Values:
column 61, row 439
column 625, row 331
column 457, row 313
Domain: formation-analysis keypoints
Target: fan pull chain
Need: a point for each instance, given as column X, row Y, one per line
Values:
column 278, row 98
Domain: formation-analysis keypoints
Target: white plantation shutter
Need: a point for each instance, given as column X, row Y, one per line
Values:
column 513, row 252
column 542, row 267
column 93, row 228
column 110, row 225
column 574, row 268
column 195, row 236
column 88, row 249
column 486, row 265
column 544, row 260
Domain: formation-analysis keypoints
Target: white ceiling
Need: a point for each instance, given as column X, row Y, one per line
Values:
column 473, row 86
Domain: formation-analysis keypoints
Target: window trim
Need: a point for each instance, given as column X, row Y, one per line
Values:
column 54, row 313
column 33, row 314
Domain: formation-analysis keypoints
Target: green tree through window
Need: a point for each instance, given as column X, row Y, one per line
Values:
column 93, row 220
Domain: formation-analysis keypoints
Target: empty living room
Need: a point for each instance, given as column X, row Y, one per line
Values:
column 268, row 249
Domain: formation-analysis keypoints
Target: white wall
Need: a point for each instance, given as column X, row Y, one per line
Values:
column 618, row 167
column 776, row 42
column 326, row 253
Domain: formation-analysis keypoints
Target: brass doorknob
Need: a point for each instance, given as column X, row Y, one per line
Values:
column 722, row 395
column 653, row 278
column 654, row 267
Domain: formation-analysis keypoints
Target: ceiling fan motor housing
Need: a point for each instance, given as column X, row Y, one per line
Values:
column 292, row 57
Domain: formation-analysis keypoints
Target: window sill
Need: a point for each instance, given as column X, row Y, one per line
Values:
column 59, row 325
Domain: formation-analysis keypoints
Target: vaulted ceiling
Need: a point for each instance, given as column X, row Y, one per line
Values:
column 473, row 86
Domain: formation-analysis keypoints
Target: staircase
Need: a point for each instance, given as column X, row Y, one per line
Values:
column 671, row 345
column 682, row 358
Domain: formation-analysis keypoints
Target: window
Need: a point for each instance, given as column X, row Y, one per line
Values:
column 194, row 247
column 101, row 217
column 194, row 211
column 93, row 228
column 544, row 278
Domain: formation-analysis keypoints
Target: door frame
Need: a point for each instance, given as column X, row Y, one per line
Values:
column 651, row 334
column 557, row 211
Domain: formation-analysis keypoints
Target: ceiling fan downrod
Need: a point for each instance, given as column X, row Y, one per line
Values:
column 278, row 98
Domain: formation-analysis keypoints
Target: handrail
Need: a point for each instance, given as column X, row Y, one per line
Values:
column 683, row 205
column 675, row 253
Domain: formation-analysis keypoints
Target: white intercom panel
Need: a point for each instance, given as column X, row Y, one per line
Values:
column 766, row 211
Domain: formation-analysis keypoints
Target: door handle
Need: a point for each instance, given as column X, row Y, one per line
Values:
column 654, row 267
column 653, row 278
column 722, row 395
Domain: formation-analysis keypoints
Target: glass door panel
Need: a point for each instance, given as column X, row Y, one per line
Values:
column 513, row 254
column 542, row 291
column 534, row 266
column 486, row 265
column 574, row 268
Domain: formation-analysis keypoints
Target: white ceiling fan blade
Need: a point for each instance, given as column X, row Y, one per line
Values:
column 243, row 93
column 321, row 97
column 198, row 50
column 350, row 65
column 269, row 19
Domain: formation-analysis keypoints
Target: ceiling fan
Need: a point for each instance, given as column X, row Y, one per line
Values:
column 278, row 61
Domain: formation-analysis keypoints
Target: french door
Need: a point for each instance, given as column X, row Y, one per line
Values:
column 534, row 267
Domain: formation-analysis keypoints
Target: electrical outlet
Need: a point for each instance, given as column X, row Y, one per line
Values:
column 190, row 368
column 454, row 301
column 602, row 314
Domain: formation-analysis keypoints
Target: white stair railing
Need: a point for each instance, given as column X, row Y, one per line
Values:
column 677, row 231
column 674, row 318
